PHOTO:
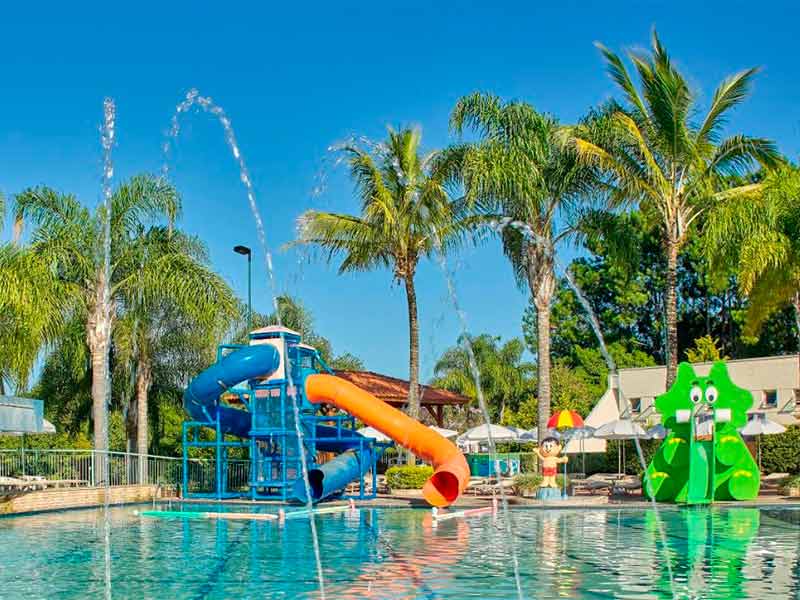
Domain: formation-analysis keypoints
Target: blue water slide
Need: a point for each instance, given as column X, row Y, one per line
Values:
column 201, row 402
column 201, row 397
column 333, row 476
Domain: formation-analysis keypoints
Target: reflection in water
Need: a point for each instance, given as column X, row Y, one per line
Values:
column 402, row 574
column 714, row 553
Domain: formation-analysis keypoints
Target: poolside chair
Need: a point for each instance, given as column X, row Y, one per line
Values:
column 626, row 486
column 592, row 486
column 491, row 487
column 773, row 480
column 11, row 487
column 474, row 484
column 595, row 483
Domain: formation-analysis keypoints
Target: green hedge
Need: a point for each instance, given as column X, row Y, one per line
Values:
column 781, row 453
column 408, row 477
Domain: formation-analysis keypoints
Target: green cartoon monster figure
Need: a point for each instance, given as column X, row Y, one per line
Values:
column 717, row 467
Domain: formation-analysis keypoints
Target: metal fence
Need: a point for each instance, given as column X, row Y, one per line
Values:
column 202, row 476
column 87, row 467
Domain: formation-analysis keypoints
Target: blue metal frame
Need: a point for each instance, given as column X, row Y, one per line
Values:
column 275, row 464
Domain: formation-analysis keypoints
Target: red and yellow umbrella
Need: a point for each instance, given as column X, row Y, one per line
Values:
column 565, row 419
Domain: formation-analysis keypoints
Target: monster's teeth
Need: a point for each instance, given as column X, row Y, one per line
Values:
column 722, row 415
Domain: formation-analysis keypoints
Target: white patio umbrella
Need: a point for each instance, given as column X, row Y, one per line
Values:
column 373, row 433
column 481, row 433
column 621, row 429
column 445, row 433
column 759, row 425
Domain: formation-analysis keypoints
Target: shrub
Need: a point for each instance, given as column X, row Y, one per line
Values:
column 792, row 482
column 528, row 462
column 526, row 482
column 779, row 453
column 408, row 477
column 530, row 482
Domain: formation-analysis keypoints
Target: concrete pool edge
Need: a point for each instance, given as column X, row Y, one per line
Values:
column 132, row 495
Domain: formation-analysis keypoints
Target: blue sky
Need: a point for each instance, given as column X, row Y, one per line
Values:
column 296, row 78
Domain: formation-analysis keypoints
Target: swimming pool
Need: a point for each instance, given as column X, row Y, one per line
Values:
column 395, row 553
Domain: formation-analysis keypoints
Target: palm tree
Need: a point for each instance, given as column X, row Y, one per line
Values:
column 173, row 302
column 519, row 169
column 757, row 235
column 406, row 214
column 506, row 380
column 654, row 154
column 32, row 307
column 67, row 238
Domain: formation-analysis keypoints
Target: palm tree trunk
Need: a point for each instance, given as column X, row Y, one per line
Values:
column 413, row 356
column 796, row 304
column 543, row 359
column 98, row 337
column 541, row 280
column 671, row 309
column 98, row 348
column 143, row 382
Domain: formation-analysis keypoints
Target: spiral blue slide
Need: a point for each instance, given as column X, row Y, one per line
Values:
column 201, row 397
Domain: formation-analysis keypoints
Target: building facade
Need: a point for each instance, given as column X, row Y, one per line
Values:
column 774, row 382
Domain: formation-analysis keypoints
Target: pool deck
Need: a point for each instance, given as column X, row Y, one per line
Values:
column 73, row 498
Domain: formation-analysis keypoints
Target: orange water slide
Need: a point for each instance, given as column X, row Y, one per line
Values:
column 451, row 472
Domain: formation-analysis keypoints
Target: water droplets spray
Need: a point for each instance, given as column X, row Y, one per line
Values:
column 206, row 104
column 107, row 134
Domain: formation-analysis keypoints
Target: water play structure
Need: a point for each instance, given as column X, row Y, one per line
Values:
column 695, row 467
column 248, row 399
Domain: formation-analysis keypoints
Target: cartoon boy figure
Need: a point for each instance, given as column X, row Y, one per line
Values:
column 548, row 452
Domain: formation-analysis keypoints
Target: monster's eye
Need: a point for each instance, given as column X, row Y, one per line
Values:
column 711, row 394
column 696, row 394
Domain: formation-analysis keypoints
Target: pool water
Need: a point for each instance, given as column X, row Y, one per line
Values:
column 396, row 553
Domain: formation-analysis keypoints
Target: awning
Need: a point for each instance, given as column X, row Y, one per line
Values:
column 21, row 415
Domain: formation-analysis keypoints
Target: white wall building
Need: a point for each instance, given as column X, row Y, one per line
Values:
column 774, row 382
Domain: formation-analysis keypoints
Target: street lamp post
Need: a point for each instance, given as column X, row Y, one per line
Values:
column 245, row 251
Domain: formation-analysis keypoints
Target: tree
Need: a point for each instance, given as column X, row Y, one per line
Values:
column 295, row 316
column 346, row 362
column 506, row 379
column 757, row 237
column 655, row 155
column 519, row 170
column 174, row 304
column 625, row 291
column 406, row 215
column 67, row 238
column 32, row 310
column 705, row 350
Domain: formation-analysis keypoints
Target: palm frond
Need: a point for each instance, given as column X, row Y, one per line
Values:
column 731, row 92
column 616, row 69
column 360, row 244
